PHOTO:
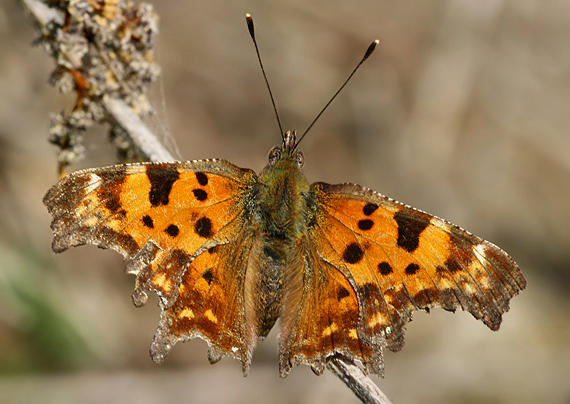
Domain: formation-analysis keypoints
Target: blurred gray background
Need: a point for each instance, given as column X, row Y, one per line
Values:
column 463, row 112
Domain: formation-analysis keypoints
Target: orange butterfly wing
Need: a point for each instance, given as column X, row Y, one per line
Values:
column 180, row 226
column 371, row 261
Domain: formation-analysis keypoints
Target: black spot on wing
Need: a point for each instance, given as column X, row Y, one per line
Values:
column 172, row 230
column 148, row 222
column 342, row 293
column 208, row 276
column 203, row 227
column 202, row 178
column 365, row 224
column 161, row 179
column 450, row 265
column 109, row 191
column 353, row 253
column 113, row 204
column 200, row 194
column 369, row 208
column 409, row 230
column 385, row 268
column 412, row 269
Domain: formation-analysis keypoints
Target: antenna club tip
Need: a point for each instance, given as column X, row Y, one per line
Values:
column 370, row 50
column 249, row 21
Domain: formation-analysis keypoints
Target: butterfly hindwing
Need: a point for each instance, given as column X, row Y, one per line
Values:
column 396, row 259
column 180, row 226
column 210, row 305
column 323, row 320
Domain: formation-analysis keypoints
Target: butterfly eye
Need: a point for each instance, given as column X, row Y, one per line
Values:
column 274, row 154
column 300, row 159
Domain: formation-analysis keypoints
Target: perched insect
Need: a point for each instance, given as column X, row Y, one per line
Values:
column 229, row 252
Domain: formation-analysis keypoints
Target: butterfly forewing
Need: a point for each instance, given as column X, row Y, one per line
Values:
column 170, row 221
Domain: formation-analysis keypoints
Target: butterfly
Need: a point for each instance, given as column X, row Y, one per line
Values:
column 229, row 252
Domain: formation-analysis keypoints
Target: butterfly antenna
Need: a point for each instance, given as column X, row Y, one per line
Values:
column 366, row 55
column 249, row 20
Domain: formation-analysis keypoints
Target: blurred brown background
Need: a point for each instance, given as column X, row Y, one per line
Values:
column 463, row 112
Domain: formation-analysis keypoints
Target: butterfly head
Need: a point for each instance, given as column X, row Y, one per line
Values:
column 287, row 151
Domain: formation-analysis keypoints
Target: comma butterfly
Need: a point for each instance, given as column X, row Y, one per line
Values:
column 229, row 252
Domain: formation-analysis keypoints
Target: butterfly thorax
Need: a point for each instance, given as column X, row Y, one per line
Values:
column 281, row 201
column 280, row 225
